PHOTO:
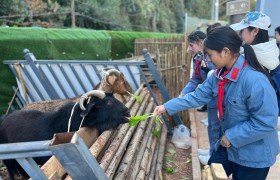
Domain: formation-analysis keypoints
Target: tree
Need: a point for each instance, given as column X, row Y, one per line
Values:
column 199, row 8
column 136, row 15
column 14, row 11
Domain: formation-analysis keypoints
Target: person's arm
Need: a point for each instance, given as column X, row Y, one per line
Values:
column 202, row 95
column 194, row 81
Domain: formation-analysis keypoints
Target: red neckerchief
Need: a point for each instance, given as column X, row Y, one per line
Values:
column 197, row 69
column 221, row 83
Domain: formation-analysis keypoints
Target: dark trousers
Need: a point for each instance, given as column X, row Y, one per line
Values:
column 245, row 173
column 238, row 172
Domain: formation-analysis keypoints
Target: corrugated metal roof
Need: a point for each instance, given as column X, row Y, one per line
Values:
column 46, row 80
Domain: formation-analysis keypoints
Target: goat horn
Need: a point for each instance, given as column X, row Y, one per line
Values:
column 98, row 93
column 104, row 70
column 114, row 71
column 111, row 71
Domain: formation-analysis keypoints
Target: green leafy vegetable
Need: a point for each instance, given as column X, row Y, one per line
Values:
column 168, row 159
column 136, row 119
column 156, row 132
column 137, row 98
column 171, row 151
column 169, row 170
column 158, row 120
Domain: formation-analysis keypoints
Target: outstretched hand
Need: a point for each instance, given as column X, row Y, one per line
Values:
column 159, row 110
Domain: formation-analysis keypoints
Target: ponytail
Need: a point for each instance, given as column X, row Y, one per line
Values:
column 252, row 60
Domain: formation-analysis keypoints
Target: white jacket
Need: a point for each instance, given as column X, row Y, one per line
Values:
column 267, row 54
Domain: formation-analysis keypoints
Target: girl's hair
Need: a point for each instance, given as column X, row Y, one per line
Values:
column 221, row 37
column 261, row 37
column 210, row 27
column 277, row 29
column 196, row 36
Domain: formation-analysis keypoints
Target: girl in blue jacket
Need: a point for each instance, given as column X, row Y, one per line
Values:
column 247, row 107
column 195, row 46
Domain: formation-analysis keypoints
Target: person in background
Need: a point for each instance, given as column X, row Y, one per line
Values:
column 253, row 30
column 247, row 106
column 212, row 119
column 205, row 67
column 212, row 26
column 277, row 36
column 201, row 67
column 195, row 47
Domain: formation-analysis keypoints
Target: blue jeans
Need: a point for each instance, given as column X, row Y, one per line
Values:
column 213, row 128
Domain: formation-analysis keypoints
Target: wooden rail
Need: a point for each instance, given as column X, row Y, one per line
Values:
column 173, row 63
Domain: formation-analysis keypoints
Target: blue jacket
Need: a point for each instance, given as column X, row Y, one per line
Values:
column 275, row 74
column 250, row 114
column 197, row 78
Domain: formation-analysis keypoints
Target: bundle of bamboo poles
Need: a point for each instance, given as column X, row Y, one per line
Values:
column 127, row 152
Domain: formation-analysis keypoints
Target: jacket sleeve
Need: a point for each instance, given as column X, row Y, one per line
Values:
column 194, row 81
column 262, row 107
column 202, row 95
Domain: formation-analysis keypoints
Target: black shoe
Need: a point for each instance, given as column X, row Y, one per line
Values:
column 202, row 109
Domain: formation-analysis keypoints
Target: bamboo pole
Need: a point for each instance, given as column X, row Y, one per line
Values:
column 154, row 163
column 126, row 162
column 163, row 137
column 117, row 157
column 134, row 169
column 153, row 148
column 146, row 162
column 22, row 83
column 12, row 100
column 142, row 167
column 100, row 143
column 113, row 148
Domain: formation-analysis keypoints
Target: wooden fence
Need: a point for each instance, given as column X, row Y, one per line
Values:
column 172, row 61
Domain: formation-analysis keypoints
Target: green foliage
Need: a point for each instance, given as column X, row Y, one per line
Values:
column 17, row 8
column 105, row 15
column 199, row 8
column 125, row 15
column 128, row 15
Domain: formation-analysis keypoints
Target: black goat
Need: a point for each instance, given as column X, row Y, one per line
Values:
column 101, row 111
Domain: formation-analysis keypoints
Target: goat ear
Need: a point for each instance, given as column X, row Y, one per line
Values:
column 111, row 79
column 88, row 108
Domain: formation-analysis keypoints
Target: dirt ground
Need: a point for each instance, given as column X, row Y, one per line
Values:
column 181, row 164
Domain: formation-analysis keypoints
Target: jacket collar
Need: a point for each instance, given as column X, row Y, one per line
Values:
column 234, row 73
